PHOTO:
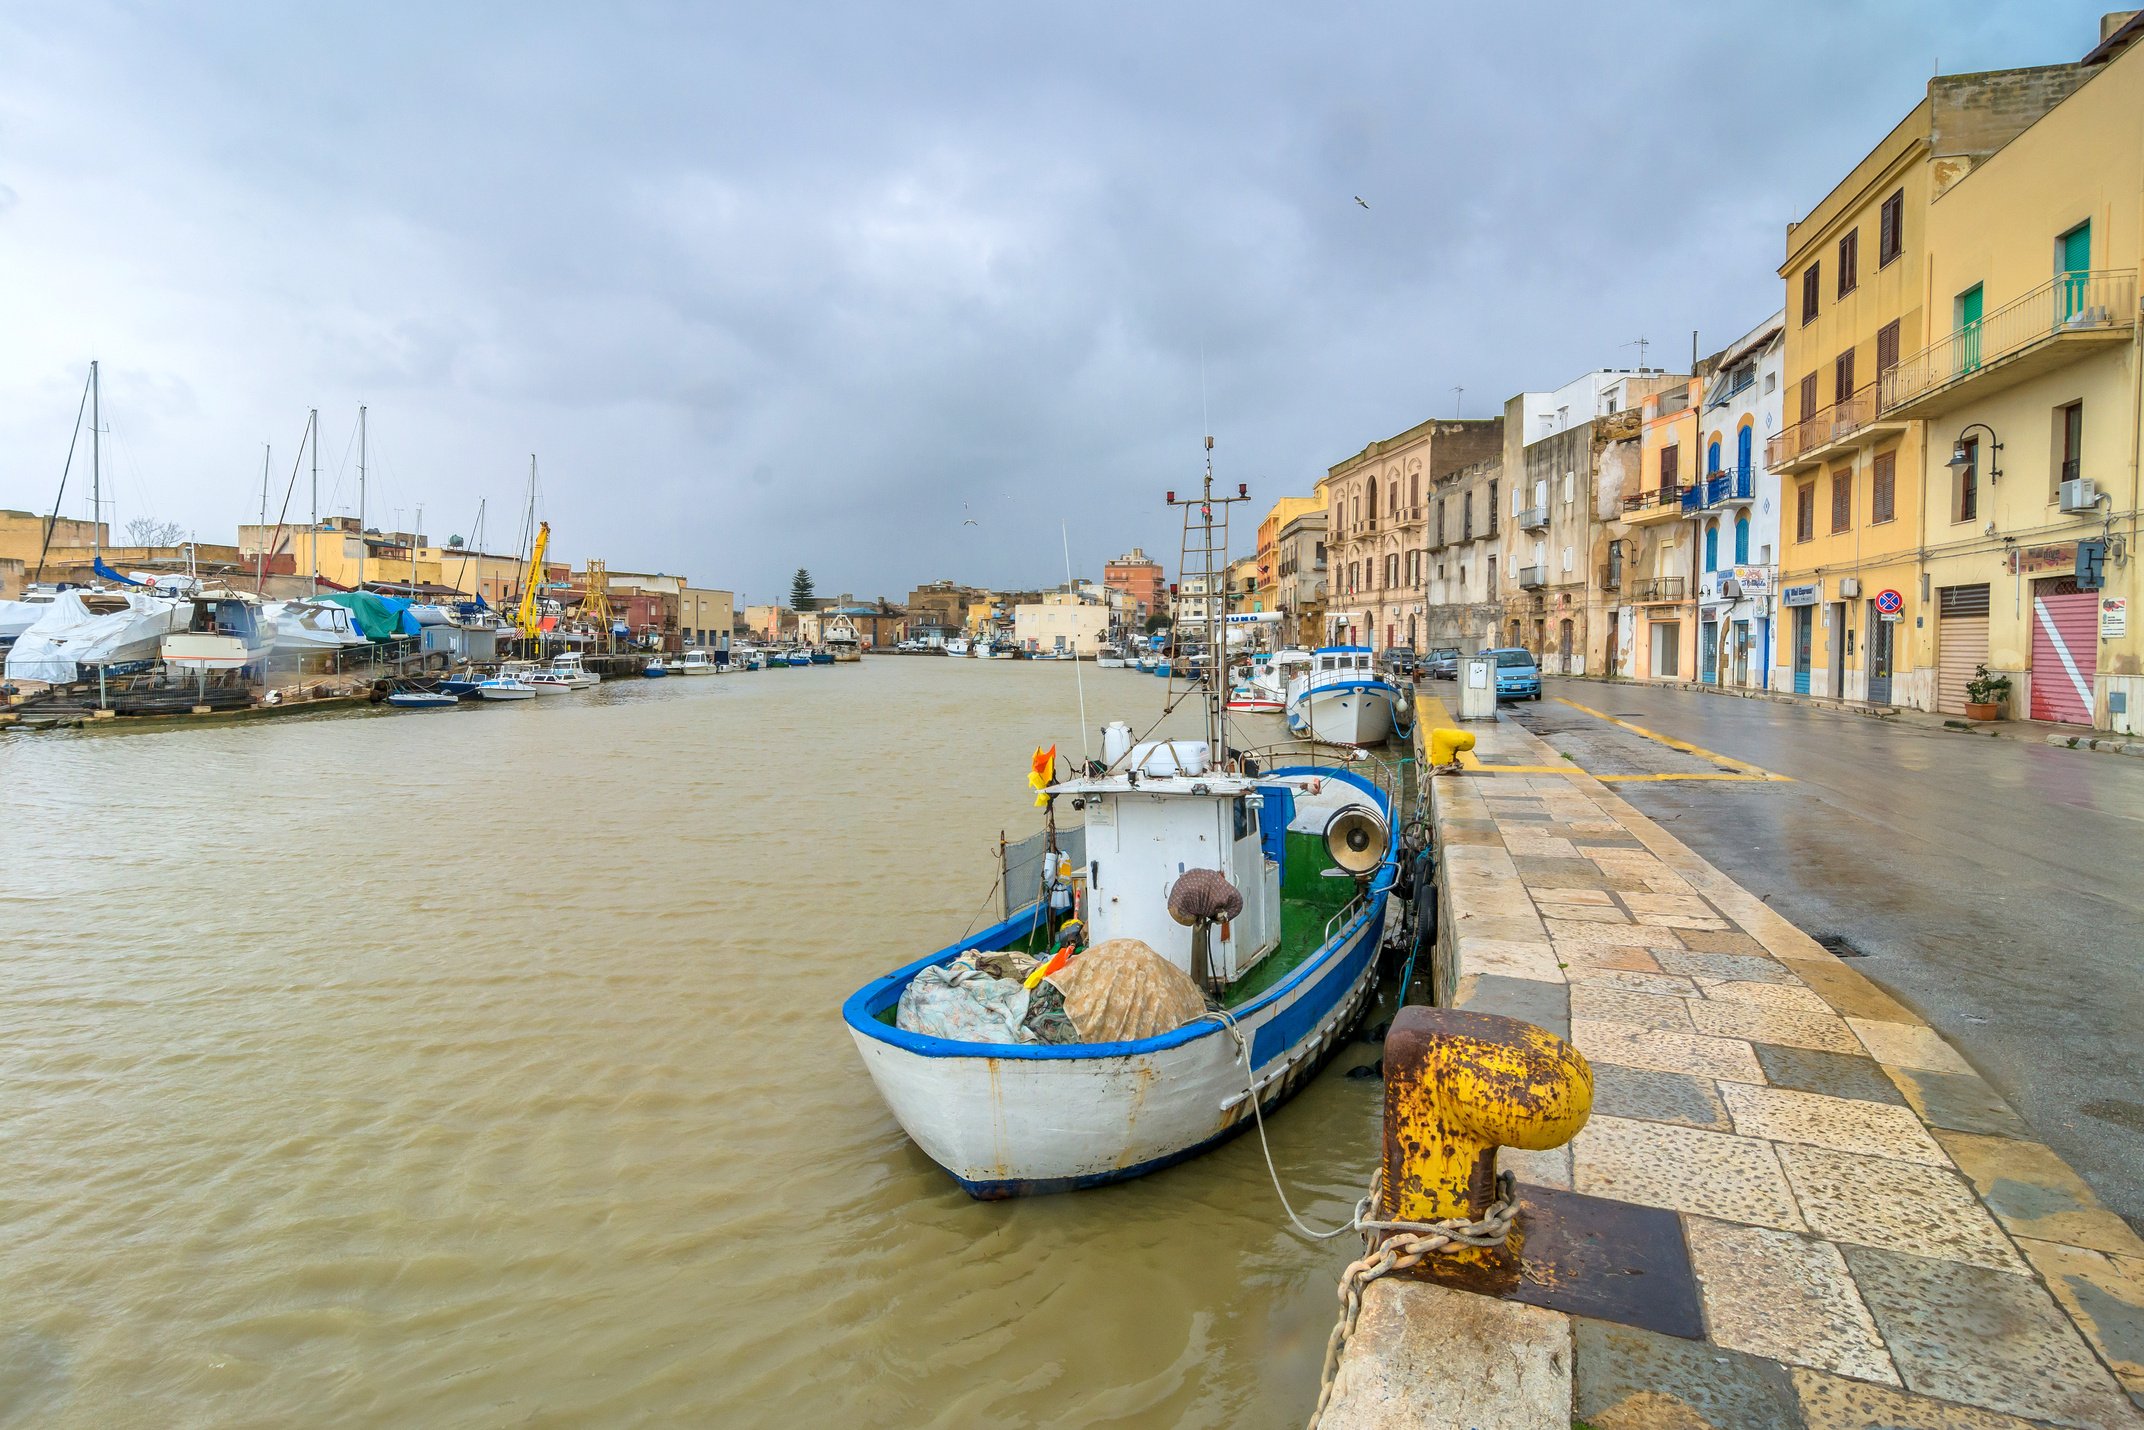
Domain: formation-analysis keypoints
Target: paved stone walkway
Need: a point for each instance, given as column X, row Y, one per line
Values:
column 1878, row 1239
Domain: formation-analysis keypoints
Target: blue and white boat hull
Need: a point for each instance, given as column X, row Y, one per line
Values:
column 1346, row 712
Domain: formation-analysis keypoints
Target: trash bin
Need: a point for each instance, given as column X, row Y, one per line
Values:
column 1477, row 687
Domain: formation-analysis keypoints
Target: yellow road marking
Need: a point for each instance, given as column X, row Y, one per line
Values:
column 1743, row 769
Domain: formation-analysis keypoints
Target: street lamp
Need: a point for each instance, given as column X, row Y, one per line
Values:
column 1961, row 458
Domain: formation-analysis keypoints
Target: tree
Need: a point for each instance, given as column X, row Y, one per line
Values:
column 1156, row 623
column 800, row 589
column 148, row 531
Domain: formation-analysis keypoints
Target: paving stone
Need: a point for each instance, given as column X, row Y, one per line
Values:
column 1832, row 1403
column 1650, row 1096
column 1598, row 898
column 1833, row 1074
column 1541, row 1169
column 1713, row 941
column 1627, row 960
column 1696, row 922
column 1526, row 930
column 1449, row 837
column 1530, row 1000
column 1874, row 1201
column 1609, row 935
column 1871, row 1129
column 1776, row 1294
column 1628, row 1379
column 1529, row 846
column 2104, row 1296
column 1669, row 883
column 1908, row 1045
column 1650, row 903
column 1629, row 980
column 1666, row 1052
column 1727, row 967
column 1644, row 1010
column 1961, row 1101
column 1509, row 958
column 1660, row 1164
column 2034, row 1193
column 1984, row 1337
column 1760, row 1023
column 1430, row 1358
column 1848, row 991
column 1773, row 995
column 1583, row 913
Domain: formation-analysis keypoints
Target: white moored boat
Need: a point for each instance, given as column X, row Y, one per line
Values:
column 1263, row 688
column 568, row 668
column 1234, row 916
column 692, row 662
column 1341, row 700
column 958, row 645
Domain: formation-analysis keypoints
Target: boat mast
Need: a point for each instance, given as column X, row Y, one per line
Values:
column 96, row 469
column 312, row 427
column 360, row 496
column 260, row 553
column 1209, row 533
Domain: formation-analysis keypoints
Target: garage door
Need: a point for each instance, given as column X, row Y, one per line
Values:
column 1961, row 642
column 2065, row 651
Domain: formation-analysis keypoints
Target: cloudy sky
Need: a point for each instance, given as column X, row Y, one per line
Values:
column 800, row 284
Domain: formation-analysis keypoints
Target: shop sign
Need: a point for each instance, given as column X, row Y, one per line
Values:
column 1808, row 595
column 1754, row 580
column 2031, row 560
column 2113, row 617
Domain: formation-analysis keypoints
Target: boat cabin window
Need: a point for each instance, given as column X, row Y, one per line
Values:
column 1246, row 819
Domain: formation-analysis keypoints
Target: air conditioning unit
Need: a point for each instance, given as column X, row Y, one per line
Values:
column 2079, row 494
column 1730, row 589
column 1849, row 587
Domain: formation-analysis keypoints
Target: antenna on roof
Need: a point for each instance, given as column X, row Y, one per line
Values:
column 1458, row 395
column 1641, row 344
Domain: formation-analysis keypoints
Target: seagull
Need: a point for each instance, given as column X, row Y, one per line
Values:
column 970, row 521
column 1358, row 199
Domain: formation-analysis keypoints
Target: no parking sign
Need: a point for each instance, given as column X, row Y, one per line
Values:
column 1889, row 602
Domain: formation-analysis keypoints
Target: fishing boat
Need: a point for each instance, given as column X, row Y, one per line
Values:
column 1262, row 687
column 1204, row 989
column 958, row 645
column 655, row 669
column 798, row 657
column 1340, row 699
column 1109, row 657
column 504, row 687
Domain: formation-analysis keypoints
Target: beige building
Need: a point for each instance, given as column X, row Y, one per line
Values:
column 1377, row 506
column 1465, row 610
column 23, row 536
column 1299, row 574
column 1060, row 622
column 705, row 617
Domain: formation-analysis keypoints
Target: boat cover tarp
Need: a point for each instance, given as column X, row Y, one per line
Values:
column 961, row 1002
column 69, row 635
column 1122, row 989
column 18, row 616
column 377, row 618
column 97, row 565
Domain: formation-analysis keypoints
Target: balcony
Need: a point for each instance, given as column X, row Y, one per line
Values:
column 2056, row 323
column 1659, row 504
column 1612, row 577
column 1534, row 518
column 1656, row 590
column 1725, row 487
column 1438, row 541
column 1843, row 427
column 1532, row 578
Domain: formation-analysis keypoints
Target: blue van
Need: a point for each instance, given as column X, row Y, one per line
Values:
column 1517, row 677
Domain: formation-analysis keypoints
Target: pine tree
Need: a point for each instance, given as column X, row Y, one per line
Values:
column 800, row 588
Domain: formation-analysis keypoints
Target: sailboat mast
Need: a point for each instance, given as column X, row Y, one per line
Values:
column 260, row 554
column 312, row 428
column 96, row 467
column 360, row 495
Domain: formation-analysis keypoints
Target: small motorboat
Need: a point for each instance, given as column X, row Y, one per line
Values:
column 822, row 657
column 693, row 662
column 568, row 667
column 798, row 658
column 422, row 700
column 654, row 669
column 504, row 687
column 1109, row 657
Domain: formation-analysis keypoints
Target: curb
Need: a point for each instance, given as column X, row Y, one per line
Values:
column 2104, row 744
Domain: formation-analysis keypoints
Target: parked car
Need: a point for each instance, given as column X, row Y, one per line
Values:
column 1517, row 677
column 1442, row 664
column 1398, row 662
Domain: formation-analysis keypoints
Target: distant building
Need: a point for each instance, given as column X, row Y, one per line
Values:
column 705, row 617
column 1376, row 504
column 1140, row 578
column 1299, row 575
column 1060, row 622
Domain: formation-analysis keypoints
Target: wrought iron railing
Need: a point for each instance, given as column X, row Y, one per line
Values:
column 1533, row 518
column 1656, row 496
column 1653, row 589
column 1840, row 420
column 2070, row 303
column 1726, row 485
column 1532, row 576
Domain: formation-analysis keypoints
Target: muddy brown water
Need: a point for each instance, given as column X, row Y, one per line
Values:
column 484, row 1067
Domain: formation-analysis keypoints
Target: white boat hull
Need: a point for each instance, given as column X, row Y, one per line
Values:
column 1344, row 715
column 1114, row 1116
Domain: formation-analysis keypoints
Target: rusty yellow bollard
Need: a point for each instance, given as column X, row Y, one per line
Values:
column 1459, row 1085
column 1445, row 745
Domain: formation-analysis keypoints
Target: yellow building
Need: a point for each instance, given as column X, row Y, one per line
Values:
column 1857, row 623
column 1266, row 564
column 23, row 535
column 1656, row 572
column 2026, row 396
column 705, row 617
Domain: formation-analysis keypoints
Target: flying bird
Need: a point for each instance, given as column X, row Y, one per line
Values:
column 1358, row 199
column 969, row 521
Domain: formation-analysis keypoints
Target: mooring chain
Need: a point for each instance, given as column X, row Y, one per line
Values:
column 1415, row 1243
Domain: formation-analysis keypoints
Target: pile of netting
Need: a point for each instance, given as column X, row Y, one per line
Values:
column 1116, row 991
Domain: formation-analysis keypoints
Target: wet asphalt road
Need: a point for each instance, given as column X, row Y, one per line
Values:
column 1995, row 886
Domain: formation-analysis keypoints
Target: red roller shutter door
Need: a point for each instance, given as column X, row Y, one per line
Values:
column 2065, row 651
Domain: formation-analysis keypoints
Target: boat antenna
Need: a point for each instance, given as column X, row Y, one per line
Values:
column 360, row 495
column 312, row 427
column 1211, row 536
column 80, row 408
column 1078, row 680
column 260, row 542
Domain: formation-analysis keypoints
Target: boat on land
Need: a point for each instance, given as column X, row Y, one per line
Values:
column 1340, row 699
column 1235, row 912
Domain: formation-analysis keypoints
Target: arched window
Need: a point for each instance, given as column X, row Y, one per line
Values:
column 1712, row 456
column 1743, row 439
column 1712, row 542
column 1742, row 534
column 1373, row 501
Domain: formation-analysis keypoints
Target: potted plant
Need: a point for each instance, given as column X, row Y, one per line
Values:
column 1984, row 694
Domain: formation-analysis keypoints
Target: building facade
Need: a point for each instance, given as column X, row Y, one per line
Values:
column 1464, row 610
column 1377, row 510
column 1141, row 578
column 1060, row 623
column 705, row 616
column 1299, row 576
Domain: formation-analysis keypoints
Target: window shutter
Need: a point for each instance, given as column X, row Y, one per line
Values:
column 1805, row 512
column 1849, row 261
column 1886, row 348
column 1842, row 499
column 1808, row 397
column 1810, row 282
column 1883, row 487
column 1842, row 376
column 1670, row 467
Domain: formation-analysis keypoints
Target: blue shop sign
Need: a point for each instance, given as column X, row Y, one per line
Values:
column 1808, row 595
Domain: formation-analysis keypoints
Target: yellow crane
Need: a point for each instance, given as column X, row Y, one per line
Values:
column 595, row 604
column 526, row 618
